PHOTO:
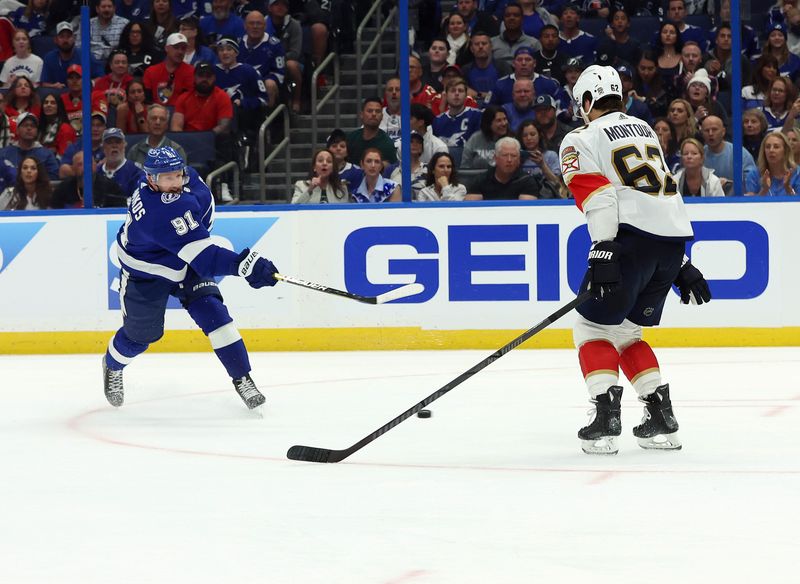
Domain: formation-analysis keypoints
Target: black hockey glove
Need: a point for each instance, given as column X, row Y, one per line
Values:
column 693, row 285
column 258, row 271
column 604, row 270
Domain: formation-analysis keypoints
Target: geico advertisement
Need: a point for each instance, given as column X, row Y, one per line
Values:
column 449, row 263
column 481, row 267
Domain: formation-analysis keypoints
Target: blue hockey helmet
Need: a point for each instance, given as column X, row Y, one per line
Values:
column 164, row 159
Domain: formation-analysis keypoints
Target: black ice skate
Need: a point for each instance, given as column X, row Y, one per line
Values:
column 247, row 390
column 659, row 428
column 600, row 436
column 112, row 385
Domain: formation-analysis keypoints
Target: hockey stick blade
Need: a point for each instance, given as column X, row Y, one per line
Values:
column 314, row 454
column 401, row 292
column 311, row 454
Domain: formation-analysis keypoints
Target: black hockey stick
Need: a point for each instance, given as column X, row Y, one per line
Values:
column 401, row 292
column 313, row 454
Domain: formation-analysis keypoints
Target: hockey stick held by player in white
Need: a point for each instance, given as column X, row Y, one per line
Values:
column 396, row 294
column 325, row 455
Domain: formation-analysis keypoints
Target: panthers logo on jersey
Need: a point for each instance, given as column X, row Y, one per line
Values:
column 570, row 160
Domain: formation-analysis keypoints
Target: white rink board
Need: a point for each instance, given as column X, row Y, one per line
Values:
column 55, row 269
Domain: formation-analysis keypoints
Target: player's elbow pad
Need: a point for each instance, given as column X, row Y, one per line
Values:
column 602, row 222
column 215, row 261
column 603, row 199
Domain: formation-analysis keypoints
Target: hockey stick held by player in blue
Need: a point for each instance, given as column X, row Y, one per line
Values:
column 396, row 294
column 314, row 454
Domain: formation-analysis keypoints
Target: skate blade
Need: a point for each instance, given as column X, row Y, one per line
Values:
column 603, row 445
column 255, row 402
column 115, row 401
column 661, row 442
column 259, row 412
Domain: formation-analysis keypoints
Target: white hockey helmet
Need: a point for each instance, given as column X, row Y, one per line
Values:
column 598, row 81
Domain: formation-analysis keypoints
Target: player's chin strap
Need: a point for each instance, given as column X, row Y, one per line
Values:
column 585, row 114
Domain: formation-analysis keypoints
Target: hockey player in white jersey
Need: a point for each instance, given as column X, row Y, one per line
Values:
column 165, row 249
column 638, row 225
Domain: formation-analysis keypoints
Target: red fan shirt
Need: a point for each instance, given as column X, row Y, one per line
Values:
column 165, row 87
column 201, row 113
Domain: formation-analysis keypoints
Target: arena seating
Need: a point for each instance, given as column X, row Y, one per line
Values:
column 199, row 146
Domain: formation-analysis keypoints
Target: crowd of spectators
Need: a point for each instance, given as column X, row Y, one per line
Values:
column 491, row 87
column 181, row 66
column 490, row 84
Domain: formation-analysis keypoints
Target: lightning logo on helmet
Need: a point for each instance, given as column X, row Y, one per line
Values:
column 164, row 159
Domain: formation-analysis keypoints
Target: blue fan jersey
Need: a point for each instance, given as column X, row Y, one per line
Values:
column 267, row 57
column 532, row 25
column 184, row 8
column 584, row 46
column 214, row 29
column 35, row 24
column 165, row 232
column 456, row 130
column 542, row 85
column 242, row 82
column 8, row 175
column 352, row 176
column 138, row 9
column 482, row 80
column 128, row 176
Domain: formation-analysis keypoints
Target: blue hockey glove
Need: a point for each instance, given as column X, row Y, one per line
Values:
column 604, row 269
column 258, row 271
column 693, row 285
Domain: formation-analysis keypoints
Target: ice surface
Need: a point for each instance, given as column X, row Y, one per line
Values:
column 184, row 485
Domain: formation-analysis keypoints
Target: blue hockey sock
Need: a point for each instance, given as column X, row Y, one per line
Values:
column 212, row 317
column 234, row 358
column 121, row 350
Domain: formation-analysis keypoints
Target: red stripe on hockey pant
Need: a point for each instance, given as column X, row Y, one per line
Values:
column 596, row 356
column 584, row 185
column 638, row 359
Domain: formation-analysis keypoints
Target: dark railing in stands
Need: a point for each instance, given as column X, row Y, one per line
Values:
column 232, row 166
column 317, row 104
column 264, row 160
column 362, row 56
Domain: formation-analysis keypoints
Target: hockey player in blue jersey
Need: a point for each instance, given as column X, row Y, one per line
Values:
column 165, row 249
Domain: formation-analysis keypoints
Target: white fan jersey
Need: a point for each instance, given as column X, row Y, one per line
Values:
column 615, row 169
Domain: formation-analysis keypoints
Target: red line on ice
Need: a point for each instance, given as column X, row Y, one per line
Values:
column 407, row 577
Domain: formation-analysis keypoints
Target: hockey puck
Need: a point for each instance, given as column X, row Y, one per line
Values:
column 424, row 414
